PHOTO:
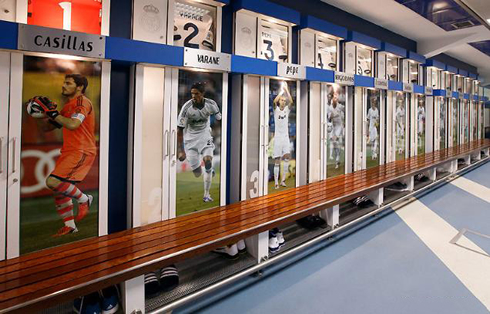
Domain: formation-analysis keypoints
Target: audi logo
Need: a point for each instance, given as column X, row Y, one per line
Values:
column 44, row 166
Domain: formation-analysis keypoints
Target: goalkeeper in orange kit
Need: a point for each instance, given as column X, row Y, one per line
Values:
column 77, row 120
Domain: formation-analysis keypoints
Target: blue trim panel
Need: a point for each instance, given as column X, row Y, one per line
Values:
column 317, row 24
column 399, row 51
column 473, row 76
column 462, row 72
column 319, row 75
column 395, row 85
column 416, row 57
column 439, row 92
column 455, row 95
column 451, row 69
column 225, row 2
column 364, row 81
column 466, row 96
column 418, row 89
column 364, row 39
column 268, row 8
column 246, row 65
column 10, row 32
column 139, row 51
column 475, row 97
column 435, row 63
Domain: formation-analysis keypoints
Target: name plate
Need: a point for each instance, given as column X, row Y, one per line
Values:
column 293, row 71
column 429, row 90
column 380, row 83
column 43, row 39
column 407, row 88
column 209, row 60
column 344, row 78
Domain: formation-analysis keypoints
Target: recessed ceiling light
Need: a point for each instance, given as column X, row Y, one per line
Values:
column 488, row 21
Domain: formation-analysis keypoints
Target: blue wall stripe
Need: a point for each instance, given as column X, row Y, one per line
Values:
column 270, row 9
column 455, row 94
column 395, row 85
column 439, row 92
column 451, row 69
column 139, row 51
column 399, row 51
column 364, row 81
column 364, row 39
column 9, row 31
column 466, row 96
column 308, row 21
column 246, row 65
column 462, row 72
column 473, row 76
column 435, row 63
column 418, row 89
column 417, row 57
column 319, row 75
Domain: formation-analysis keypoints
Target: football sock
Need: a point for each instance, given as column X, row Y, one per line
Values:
column 276, row 173
column 285, row 170
column 64, row 207
column 331, row 151
column 208, row 178
column 337, row 154
column 70, row 190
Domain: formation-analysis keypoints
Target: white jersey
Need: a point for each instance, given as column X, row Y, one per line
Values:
column 420, row 113
column 193, row 27
column 336, row 115
column 281, row 120
column 195, row 121
column 273, row 44
column 373, row 117
column 400, row 116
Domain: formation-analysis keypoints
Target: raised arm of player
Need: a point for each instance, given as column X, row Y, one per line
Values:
column 289, row 99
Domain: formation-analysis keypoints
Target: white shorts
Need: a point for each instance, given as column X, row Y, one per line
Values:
column 196, row 148
column 337, row 132
column 373, row 134
column 281, row 147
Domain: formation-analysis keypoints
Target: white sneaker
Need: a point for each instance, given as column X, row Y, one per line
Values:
column 283, row 184
column 242, row 248
column 230, row 252
column 276, row 186
column 273, row 244
column 207, row 199
column 280, row 238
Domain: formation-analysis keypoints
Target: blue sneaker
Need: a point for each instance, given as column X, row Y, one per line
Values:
column 110, row 300
column 87, row 305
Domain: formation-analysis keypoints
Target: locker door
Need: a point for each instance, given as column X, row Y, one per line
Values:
column 4, row 145
column 336, row 107
column 359, row 129
column 317, row 133
column 390, row 127
column 152, row 145
column 372, row 117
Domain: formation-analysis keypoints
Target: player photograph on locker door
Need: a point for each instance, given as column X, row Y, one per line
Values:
column 282, row 135
column 198, row 141
column 73, row 15
column 195, row 25
column 60, row 160
column 400, row 126
column 373, row 119
column 442, row 124
column 454, row 114
column 420, row 124
column 336, row 130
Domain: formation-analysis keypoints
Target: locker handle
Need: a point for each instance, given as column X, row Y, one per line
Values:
column 266, row 136
column 165, row 143
column 1, row 155
column 174, row 144
column 14, row 162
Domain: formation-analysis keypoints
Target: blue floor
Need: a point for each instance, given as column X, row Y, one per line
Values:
column 381, row 268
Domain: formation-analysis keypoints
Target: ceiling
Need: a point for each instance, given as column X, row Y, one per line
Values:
column 455, row 27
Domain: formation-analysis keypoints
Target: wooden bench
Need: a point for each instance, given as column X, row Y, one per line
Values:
column 45, row 278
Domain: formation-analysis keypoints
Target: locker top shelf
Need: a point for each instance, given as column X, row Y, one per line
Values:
column 44, row 278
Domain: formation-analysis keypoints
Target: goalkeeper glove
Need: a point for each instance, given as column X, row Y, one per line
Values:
column 48, row 106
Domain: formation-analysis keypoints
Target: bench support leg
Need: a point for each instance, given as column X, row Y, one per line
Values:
column 476, row 156
column 454, row 166
column 409, row 181
column 133, row 295
column 467, row 160
column 376, row 196
column 258, row 246
column 432, row 174
column 331, row 215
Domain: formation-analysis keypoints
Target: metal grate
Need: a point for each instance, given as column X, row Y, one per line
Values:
column 200, row 272
column 296, row 235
